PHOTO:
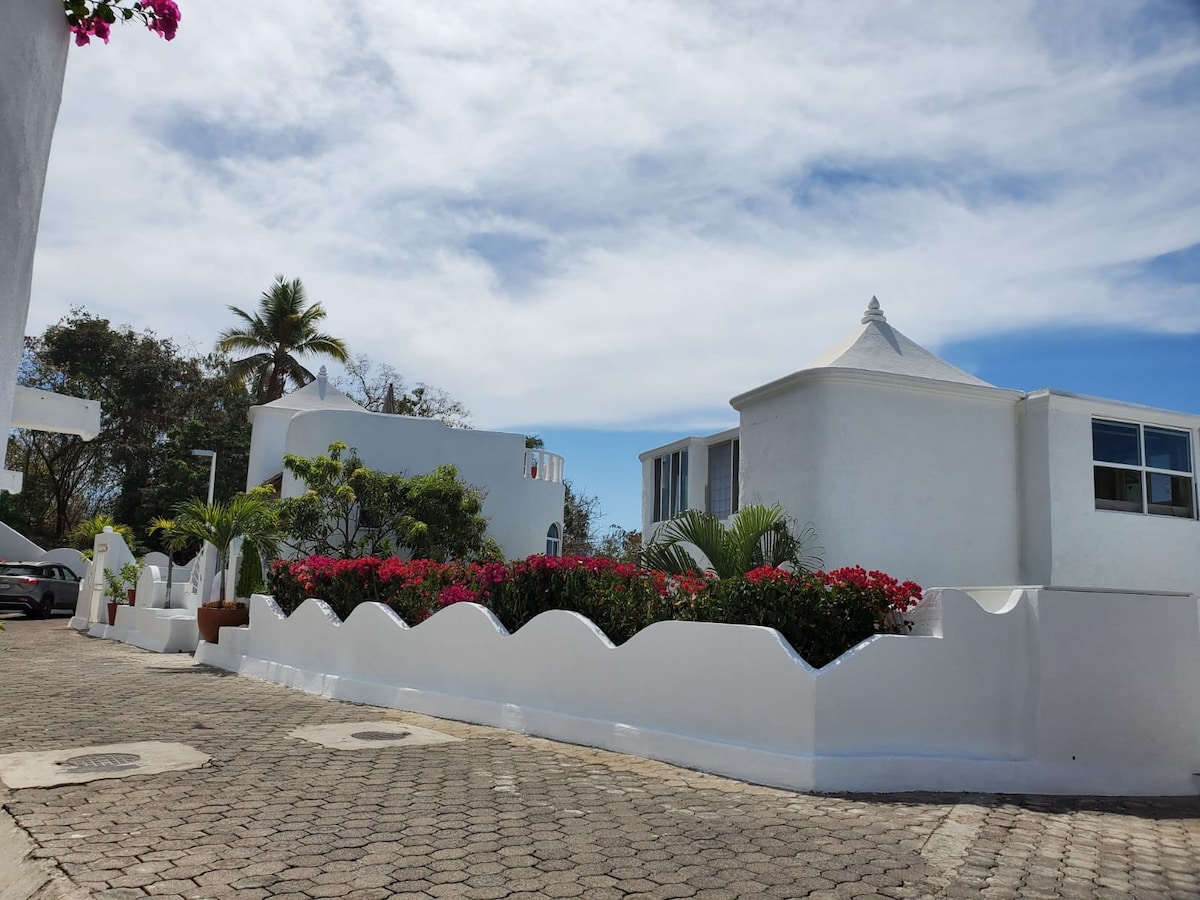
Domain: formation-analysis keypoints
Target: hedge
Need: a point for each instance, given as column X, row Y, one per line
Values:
column 821, row 614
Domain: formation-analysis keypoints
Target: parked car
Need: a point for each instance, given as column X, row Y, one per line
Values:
column 37, row 589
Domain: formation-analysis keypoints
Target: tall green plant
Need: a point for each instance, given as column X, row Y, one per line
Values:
column 251, row 517
column 174, row 540
column 349, row 510
column 756, row 536
column 84, row 534
column 283, row 328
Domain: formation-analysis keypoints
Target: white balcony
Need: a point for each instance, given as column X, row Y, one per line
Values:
column 542, row 465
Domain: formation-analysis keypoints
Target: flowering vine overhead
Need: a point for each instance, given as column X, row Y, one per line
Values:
column 94, row 18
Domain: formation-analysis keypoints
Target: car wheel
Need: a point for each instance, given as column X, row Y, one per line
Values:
column 47, row 607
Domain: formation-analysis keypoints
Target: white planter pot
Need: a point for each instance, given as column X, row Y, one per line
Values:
column 33, row 59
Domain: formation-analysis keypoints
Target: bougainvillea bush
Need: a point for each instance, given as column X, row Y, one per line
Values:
column 821, row 614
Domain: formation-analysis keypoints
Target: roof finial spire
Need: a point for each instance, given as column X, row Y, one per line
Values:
column 322, row 380
column 873, row 313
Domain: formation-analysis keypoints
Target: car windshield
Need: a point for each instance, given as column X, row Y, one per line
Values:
column 17, row 570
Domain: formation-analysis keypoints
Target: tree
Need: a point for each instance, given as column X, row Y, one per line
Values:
column 580, row 513
column 173, row 540
column 350, row 510
column 369, row 384
column 621, row 544
column 756, row 536
column 250, row 516
column 83, row 535
column 283, row 328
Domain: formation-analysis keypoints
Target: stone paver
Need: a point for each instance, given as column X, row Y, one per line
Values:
column 500, row 815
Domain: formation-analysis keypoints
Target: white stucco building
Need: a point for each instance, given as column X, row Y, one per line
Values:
column 523, row 488
column 907, row 464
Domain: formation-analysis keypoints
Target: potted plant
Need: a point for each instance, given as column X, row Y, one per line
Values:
column 251, row 517
column 129, row 575
column 114, row 590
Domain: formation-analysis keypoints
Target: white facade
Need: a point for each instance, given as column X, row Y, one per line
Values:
column 523, row 489
column 906, row 464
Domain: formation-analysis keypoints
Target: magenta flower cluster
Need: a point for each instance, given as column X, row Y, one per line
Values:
column 95, row 18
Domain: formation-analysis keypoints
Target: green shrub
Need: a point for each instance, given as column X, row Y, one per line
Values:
column 821, row 614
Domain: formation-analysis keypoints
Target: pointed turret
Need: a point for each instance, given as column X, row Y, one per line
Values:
column 876, row 346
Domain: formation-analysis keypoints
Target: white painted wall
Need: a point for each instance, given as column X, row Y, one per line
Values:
column 1090, row 546
column 1057, row 692
column 697, row 448
column 15, row 546
column 268, row 438
column 519, row 509
column 33, row 58
column 914, row 477
column 109, row 551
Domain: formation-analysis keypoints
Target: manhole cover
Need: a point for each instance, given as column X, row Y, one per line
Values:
column 380, row 735
column 102, row 762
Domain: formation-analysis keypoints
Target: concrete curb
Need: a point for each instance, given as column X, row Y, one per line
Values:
column 25, row 877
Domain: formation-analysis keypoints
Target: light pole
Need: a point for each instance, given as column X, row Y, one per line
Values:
column 212, row 470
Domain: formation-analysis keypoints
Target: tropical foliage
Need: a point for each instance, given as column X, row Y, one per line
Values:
column 83, row 535
column 350, row 510
column 822, row 614
column 251, row 517
column 756, row 536
column 282, row 329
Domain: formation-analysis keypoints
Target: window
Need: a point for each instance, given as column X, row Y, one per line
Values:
column 553, row 540
column 1143, row 469
column 723, row 463
column 670, row 485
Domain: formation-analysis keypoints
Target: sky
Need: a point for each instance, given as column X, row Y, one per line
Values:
column 598, row 221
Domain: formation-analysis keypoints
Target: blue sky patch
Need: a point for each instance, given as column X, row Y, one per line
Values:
column 518, row 261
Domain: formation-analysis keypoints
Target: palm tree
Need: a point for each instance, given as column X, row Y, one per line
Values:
column 174, row 540
column 283, row 328
column 85, row 532
column 248, row 516
column 756, row 536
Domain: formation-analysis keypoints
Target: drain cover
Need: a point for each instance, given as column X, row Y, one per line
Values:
column 102, row 762
column 380, row 735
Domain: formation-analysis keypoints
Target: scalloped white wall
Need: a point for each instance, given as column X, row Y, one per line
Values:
column 1059, row 692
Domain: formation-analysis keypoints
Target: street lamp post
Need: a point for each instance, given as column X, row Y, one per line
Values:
column 212, row 470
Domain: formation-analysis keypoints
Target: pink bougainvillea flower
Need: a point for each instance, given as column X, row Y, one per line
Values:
column 165, row 17
column 94, row 18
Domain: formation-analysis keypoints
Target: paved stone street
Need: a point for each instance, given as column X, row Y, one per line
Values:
column 500, row 815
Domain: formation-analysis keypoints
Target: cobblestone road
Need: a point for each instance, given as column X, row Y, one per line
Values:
column 500, row 815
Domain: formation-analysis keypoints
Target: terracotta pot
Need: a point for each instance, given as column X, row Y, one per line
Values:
column 112, row 613
column 210, row 621
column 132, row 595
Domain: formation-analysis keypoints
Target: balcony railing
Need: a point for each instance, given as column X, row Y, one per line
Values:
column 542, row 465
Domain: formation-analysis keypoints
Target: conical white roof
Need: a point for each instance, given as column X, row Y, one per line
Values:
column 317, row 394
column 878, row 347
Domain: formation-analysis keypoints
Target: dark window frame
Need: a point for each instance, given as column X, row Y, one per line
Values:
column 1137, row 483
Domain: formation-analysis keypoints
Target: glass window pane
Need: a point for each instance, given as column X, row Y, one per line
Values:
column 1115, row 442
column 720, row 479
column 1168, row 449
column 1118, row 489
column 1169, row 495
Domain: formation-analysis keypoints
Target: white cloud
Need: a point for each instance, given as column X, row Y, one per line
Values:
column 705, row 194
